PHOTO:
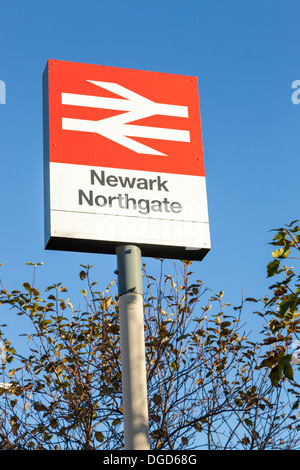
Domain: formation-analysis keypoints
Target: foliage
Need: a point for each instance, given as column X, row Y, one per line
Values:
column 209, row 386
column 281, row 309
column 69, row 382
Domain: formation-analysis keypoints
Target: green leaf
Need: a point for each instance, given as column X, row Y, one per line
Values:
column 198, row 427
column 99, row 436
column 286, row 367
column 27, row 286
column 82, row 275
column 116, row 421
column 157, row 399
column 272, row 267
column 275, row 375
column 174, row 365
column 288, row 370
column 289, row 304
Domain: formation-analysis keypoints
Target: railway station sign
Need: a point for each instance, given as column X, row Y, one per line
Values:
column 123, row 161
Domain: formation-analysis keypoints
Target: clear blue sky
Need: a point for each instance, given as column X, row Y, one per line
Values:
column 246, row 55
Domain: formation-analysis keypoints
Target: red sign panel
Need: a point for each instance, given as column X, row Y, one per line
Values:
column 122, row 118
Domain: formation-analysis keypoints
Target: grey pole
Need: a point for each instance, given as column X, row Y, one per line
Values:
column 134, row 382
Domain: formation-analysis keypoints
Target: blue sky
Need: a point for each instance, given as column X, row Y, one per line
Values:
column 245, row 55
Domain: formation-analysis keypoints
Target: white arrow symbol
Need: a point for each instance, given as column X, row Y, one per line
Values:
column 118, row 128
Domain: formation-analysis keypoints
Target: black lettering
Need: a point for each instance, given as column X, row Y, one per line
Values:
column 174, row 206
column 166, row 202
column 110, row 199
column 120, row 199
column 98, row 199
column 112, row 180
column 89, row 199
column 161, row 184
column 131, row 199
column 142, row 183
column 156, row 206
column 151, row 183
column 127, row 182
column 100, row 180
column 144, row 206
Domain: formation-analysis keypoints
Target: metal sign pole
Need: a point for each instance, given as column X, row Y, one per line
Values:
column 134, row 382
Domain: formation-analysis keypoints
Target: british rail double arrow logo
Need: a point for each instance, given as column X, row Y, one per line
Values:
column 119, row 128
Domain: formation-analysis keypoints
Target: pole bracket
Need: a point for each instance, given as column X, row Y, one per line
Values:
column 129, row 269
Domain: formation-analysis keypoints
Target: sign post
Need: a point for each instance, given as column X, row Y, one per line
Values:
column 124, row 174
column 134, row 383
